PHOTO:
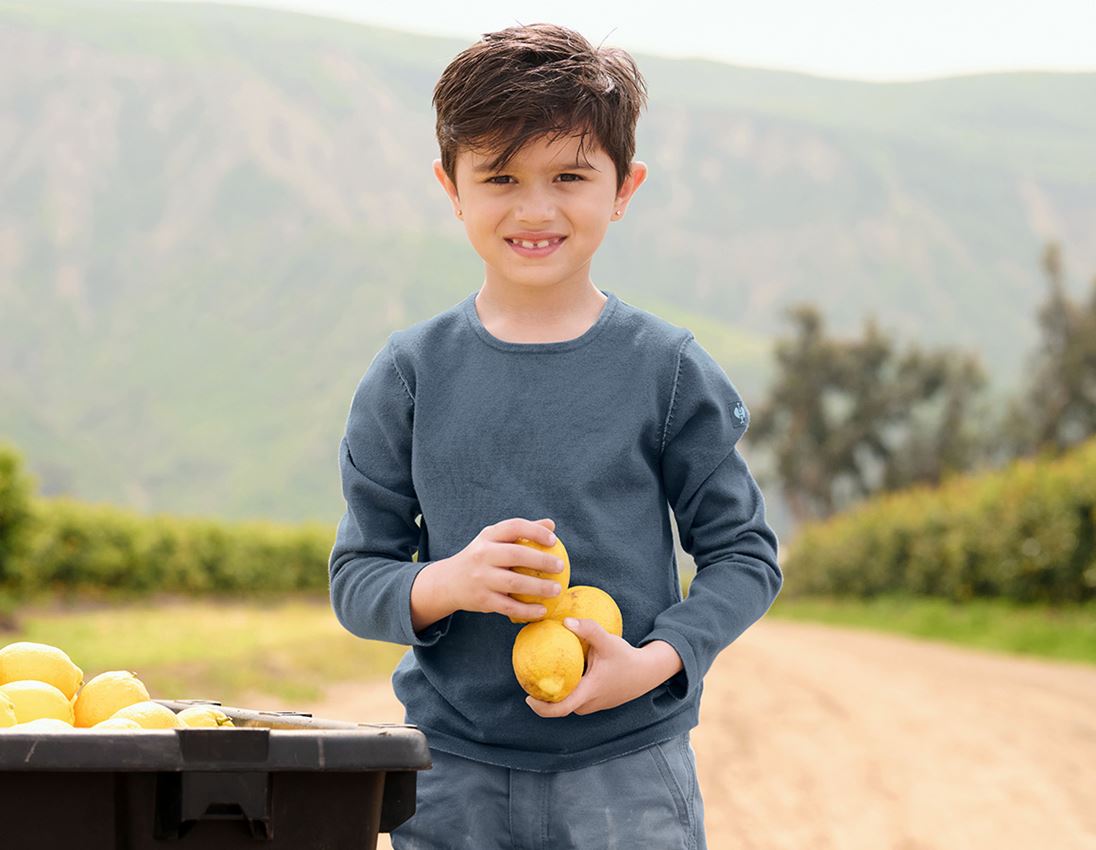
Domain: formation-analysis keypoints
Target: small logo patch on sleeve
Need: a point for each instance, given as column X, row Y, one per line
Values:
column 740, row 413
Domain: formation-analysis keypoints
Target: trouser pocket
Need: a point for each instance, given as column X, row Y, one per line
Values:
column 679, row 775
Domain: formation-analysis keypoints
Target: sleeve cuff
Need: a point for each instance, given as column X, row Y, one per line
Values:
column 432, row 633
column 683, row 683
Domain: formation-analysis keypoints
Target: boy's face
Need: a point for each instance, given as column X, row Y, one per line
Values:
column 546, row 192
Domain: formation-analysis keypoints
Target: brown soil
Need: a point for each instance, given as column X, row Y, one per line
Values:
column 820, row 738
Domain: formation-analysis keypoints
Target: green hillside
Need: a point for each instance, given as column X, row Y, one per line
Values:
column 212, row 216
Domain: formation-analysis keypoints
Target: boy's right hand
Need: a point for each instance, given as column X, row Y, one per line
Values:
column 479, row 577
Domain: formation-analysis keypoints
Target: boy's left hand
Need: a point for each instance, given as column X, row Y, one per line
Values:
column 616, row 672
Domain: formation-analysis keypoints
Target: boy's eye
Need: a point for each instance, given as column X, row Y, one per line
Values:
column 502, row 179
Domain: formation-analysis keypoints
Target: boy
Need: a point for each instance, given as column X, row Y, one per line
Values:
column 542, row 395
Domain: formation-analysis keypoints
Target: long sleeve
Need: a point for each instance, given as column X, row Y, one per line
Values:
column 720, row 514
column 370, row 568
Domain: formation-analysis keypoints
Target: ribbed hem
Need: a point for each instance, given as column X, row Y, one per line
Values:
column 671, row 727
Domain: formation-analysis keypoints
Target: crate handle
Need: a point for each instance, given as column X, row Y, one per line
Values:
column 183, row 799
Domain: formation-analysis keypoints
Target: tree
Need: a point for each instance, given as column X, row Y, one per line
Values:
column 846, row 419
column 1057, row 408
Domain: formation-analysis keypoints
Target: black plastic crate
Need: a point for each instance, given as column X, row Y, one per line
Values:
column 279, row 780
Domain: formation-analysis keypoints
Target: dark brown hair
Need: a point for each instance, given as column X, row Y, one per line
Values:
column 526, row 82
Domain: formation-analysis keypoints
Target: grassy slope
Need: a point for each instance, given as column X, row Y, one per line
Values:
column 1064, row 634
column 185, row 649
column 294, row 648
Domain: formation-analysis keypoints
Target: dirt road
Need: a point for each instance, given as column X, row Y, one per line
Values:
column 817, row 738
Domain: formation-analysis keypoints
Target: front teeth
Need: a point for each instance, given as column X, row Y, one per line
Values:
column 542, row 244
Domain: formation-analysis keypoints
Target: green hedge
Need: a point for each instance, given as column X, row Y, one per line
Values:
column 61, row 545
column 74, row 546
column 15, row 509
column 1024, row 533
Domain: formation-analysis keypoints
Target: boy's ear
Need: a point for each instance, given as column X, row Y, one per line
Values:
column 636, row 175
column 448, row 186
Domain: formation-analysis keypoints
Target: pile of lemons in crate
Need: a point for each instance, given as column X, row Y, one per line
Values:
column 549, row 659
column 41, row 689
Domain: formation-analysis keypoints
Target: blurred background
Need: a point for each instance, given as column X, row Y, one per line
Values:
column 880, row 221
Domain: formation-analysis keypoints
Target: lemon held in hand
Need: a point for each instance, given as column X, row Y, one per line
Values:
column 562, row 578
column 584, row 602
column 547, row 660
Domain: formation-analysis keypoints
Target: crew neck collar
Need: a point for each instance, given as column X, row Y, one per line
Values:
column 607, row 310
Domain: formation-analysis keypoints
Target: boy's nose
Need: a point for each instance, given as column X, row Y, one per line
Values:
column 534, row 208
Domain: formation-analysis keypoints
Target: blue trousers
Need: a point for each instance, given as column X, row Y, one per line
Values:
column 646, row 800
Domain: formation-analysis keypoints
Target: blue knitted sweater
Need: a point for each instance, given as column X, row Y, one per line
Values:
column 452, row 429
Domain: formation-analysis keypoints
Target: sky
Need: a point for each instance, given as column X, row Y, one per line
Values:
column 851, row 39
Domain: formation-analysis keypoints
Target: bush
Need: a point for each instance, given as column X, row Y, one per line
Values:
column 15, row 509
column 90, row 548
column 1026, row 533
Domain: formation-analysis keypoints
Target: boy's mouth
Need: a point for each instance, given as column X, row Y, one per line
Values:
column 535, row 248
column 539, row 243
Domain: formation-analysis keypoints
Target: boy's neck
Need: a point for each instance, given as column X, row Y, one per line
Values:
column 548, row 315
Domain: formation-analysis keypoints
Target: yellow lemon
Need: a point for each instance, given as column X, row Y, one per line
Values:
column 105, row 694
column 204, row 715
column 33, row 700
column 43, row 724
column 590, row 603
column 40, row 661
column 7, row 711
column 117, row 723
column 150, row 715
column 562, row 578
column 547, row 660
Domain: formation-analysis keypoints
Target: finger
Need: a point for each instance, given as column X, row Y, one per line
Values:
column 513, row 582
column 574, row 701
column 549, row 709
column 510, row 607
column 511, row 529
column 591, row 631
column 516, row 555
column 526, row 585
